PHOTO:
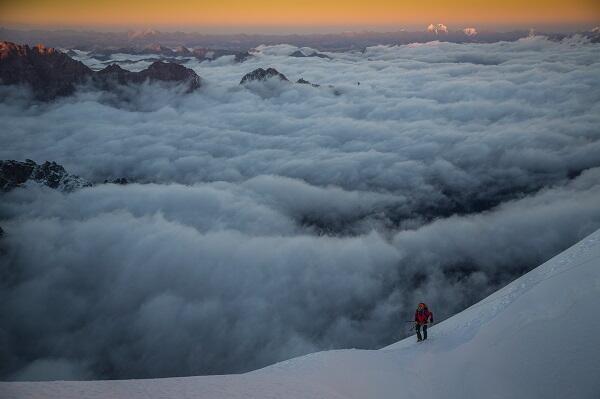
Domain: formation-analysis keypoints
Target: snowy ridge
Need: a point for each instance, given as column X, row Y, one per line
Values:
column 538, row 337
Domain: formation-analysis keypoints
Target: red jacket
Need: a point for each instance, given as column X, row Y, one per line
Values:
column 423, row 316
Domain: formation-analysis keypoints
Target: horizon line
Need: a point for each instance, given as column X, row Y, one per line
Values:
column 297, row 30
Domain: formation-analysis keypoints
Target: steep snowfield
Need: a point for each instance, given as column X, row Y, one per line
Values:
column 539, row 337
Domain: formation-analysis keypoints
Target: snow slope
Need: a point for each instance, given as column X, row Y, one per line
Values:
column 539, row 337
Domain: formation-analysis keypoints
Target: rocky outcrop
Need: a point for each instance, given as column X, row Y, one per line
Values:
column 241, row 56
column 169, row 72
column 303, row 81
column 120, row 180
column 262, row 75
column 156, row 72
column 51, row 73
column 300, row 54
column 16, row 173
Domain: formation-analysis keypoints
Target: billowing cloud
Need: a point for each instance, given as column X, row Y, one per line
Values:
column 267, row 226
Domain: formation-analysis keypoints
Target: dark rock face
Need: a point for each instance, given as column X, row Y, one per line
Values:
column 166, row 72
column 261, row 74
column 300, row 54
column 50, row 73
column 113, row 74
column 120, row 180
column 302, row 81
column 157, row 72
column 242, row 56
column 204, row 54
column 182, row 51
column 16, row 173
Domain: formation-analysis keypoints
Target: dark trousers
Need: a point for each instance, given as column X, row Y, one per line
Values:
column 418, row 328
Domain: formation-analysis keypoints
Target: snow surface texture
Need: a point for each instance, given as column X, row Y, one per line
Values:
column 538, row 337
column 285, row 225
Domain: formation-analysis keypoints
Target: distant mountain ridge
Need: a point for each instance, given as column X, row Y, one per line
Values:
column 90, row 40
column 51, row 73
column 201, row 53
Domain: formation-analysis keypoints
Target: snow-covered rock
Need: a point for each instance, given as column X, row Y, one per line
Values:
column 15, row 173
column 538, row 337
column 303, row 81
column 470, row 31
column 142, row 34
column 437, row 28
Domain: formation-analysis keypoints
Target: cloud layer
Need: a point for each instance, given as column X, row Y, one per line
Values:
column 269, row 226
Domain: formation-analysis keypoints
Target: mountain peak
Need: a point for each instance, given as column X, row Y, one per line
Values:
column 142, row 34
column 470, row 31
column 16, row 173
column 437, row 28
column 51, row 73
column 261, row 74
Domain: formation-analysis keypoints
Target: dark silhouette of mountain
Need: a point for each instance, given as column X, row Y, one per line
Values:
column 156, row 72
column 300, row 54
column 16, row 173
column 90, row 40
column 51, row 73
column 303, row 81
column 120, row 180
column 261, row 74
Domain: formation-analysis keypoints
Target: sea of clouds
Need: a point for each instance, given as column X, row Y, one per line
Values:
column 269, row 221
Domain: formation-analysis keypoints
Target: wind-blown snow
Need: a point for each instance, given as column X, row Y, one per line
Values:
column 538, row 337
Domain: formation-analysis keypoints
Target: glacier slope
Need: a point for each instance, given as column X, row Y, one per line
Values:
column 538, row 337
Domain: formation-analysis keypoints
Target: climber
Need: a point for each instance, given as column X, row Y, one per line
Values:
column 422, row 317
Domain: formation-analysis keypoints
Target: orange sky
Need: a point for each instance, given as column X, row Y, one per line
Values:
column 296, row 13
